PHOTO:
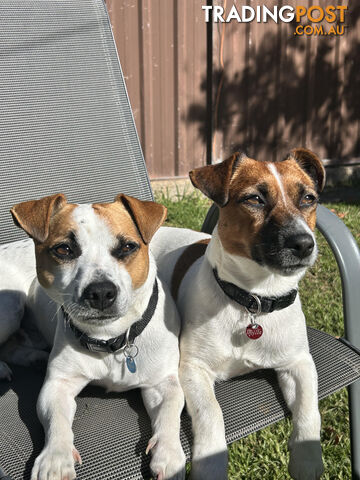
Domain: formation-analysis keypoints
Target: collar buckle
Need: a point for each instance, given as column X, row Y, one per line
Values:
column 99, row 346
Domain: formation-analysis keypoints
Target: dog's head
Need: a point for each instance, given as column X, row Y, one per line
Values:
column 91, row 258
column 267, row 210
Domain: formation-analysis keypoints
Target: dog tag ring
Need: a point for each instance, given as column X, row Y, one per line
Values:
column 254, row 330
column 130, row 352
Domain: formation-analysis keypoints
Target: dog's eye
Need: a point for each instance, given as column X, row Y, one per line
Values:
column 63, row 250
column 128, row 247
column 308, row 199
column 125, row 249
column 255, row 200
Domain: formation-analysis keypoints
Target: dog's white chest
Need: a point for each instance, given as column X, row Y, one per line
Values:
column 116, row 376
column 233, row 353
column 273, row 349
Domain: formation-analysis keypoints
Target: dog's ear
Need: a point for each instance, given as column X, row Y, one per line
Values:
column 147, row 216
column 312, row 165
column 34, row 216
column 214, row 180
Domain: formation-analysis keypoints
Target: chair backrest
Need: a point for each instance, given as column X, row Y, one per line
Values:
column 65, row 120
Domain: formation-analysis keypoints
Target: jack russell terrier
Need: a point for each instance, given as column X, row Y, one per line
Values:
column 239, row 302
column 116, row 327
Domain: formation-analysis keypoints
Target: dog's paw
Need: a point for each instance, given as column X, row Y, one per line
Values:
column 167, row 459
column 5, row 371
column 55, row 463
column 305, row 460
column 210, row 466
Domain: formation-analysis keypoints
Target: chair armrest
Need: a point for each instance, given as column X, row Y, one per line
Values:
column 210, row 219
column 347, row 256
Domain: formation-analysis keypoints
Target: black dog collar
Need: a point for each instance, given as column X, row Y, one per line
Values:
column 114, row 344
column 254, row 303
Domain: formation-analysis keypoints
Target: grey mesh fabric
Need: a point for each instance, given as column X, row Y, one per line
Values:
column 65, row 120
column 66, row 126
column 112, row 430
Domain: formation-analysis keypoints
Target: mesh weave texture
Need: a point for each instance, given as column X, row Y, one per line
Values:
column 65, row 120
column 112, row 430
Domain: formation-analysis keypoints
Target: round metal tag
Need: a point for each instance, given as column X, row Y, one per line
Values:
column 254, row 331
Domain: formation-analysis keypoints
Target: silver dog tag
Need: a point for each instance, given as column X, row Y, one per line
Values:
column 130, row 352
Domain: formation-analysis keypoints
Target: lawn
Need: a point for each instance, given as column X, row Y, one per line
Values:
column 264, row 455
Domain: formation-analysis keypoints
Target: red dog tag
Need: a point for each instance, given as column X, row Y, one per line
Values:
column 254, row 331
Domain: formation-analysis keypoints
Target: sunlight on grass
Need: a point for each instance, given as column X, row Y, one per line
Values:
column 264, row 455
column 188, row 211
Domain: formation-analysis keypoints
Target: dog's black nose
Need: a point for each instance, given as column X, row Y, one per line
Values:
column 301, row 244
column 100, row 295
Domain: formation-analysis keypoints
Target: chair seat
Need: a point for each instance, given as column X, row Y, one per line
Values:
column 112, row 430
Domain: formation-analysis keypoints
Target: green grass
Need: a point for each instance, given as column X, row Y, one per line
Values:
column 264, row 455
column 186, row 211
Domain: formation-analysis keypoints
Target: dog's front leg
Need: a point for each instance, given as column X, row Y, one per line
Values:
column 164, row 403
column 299, row 386
column 56, row 409
column 209, row 459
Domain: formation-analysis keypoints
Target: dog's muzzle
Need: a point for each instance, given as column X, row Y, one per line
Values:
column 285, row 248
column 301, row 245
column 99, row 295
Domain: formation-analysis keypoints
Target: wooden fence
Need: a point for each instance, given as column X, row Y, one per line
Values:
column 200, row 91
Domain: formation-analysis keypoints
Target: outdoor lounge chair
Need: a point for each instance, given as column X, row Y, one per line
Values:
column 66, row 126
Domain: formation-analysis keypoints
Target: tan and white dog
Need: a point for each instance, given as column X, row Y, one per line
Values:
column 239, row 302
column 116, row 325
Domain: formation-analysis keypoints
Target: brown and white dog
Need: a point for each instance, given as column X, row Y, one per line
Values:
column 239, row 303
column 116, row 324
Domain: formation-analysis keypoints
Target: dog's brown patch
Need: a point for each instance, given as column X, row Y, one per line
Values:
column 239, row 225
column 60, row 225
column 34, row 216
column 147, row 216
column 48, row 222
column 311, row 164
column 121, row 224
column 184, row 262
column 214, row 180
column 293, row 178
column 137, row 221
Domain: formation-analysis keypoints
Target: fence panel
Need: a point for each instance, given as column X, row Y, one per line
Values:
column 162, row 48
column 272, row 90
